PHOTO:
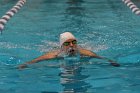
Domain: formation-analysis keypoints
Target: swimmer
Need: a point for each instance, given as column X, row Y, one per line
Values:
column 69, row 47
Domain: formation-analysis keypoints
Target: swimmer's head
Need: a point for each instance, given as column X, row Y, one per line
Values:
column 68, row 43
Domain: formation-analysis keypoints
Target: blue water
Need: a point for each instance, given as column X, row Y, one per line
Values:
column 106, row 27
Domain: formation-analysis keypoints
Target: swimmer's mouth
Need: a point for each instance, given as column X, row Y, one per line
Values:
column 71, row 52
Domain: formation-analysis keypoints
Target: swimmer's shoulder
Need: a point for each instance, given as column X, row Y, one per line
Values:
column 85, row 52
column 53, row 53
column 82, row 51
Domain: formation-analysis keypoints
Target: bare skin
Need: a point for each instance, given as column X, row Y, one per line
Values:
column 74, row 48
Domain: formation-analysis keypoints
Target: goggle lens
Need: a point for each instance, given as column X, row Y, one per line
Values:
column 68, row 43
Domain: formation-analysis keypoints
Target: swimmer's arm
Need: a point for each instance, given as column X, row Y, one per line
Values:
column 46, row 56
column 89, row 53
column 85, row 52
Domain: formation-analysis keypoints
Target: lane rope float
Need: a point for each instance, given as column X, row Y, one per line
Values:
column 132, row 6
column 4, row 19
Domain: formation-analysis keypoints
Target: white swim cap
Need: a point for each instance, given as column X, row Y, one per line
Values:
column 65, row 36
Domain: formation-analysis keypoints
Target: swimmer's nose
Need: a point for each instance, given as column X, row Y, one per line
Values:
column 71, row 44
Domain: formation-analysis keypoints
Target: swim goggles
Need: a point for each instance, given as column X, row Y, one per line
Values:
column 68, row 43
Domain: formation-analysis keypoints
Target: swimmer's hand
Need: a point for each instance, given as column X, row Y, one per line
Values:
column 22, row 66
column 115, row 64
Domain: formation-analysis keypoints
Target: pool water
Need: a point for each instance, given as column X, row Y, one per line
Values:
column 107, row 27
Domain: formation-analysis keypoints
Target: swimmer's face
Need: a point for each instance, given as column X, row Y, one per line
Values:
column 70, row 46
